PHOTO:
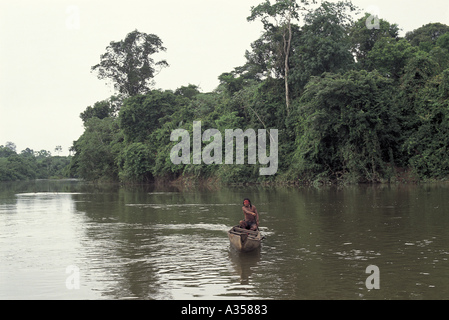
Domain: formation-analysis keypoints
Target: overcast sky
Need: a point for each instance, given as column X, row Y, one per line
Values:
column 48, row 46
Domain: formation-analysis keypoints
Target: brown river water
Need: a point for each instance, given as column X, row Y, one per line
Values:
column 73, row 240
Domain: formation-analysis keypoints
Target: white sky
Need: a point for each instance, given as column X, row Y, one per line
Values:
column 47, row 48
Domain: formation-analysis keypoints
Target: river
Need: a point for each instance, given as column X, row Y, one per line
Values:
column 73, row 240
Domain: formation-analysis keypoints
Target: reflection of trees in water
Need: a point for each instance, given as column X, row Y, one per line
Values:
column 149, row 242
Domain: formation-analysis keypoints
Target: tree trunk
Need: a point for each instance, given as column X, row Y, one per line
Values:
column 287, row 44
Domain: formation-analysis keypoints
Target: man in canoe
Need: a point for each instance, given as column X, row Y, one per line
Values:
column 251, row 221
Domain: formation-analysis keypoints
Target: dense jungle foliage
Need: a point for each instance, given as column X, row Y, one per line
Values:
column 29, row 165
column 353, row 102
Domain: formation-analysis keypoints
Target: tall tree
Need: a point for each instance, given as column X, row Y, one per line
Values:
column 11, row 145
column 426, row 36
column 58, row 150
column 363, row 39
column 389, row 56
column 100, row 110
column 141, row 114
column 128, row 63
column 279, row 17
column 324, row 45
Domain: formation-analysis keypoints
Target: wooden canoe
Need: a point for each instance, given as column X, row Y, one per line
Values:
column 243, row 239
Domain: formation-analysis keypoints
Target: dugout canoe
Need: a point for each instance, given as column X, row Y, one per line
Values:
column 244, row 240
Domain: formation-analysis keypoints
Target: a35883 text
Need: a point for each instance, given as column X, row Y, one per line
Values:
column 231, row 309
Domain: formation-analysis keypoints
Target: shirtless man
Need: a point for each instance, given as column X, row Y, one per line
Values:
column 251, row 221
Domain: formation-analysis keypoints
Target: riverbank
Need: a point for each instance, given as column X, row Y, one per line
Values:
column 400, row 176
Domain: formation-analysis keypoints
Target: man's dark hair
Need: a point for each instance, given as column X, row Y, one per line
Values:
column 250, row 205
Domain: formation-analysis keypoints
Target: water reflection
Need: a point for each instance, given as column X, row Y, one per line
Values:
column 244, row 263
column 152, row 242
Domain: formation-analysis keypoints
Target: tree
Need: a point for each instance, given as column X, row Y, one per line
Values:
column 128, row 63
column 323, row 45
column 11, row 145
column 17, row 167
column 347, row 127
column 6, row 151
column 140, row 114
column 266, row 58
column 351, row 103
column 100, row 110
column 96, row 150
column 443, row 41
column 136, row 162
column 426, row 130
column 363, row 39
column 232, row 83
column 282, row 12
column 389, row 56
column 42, row 154
column 426, row 36
column 58, row 149
column 189, row 92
